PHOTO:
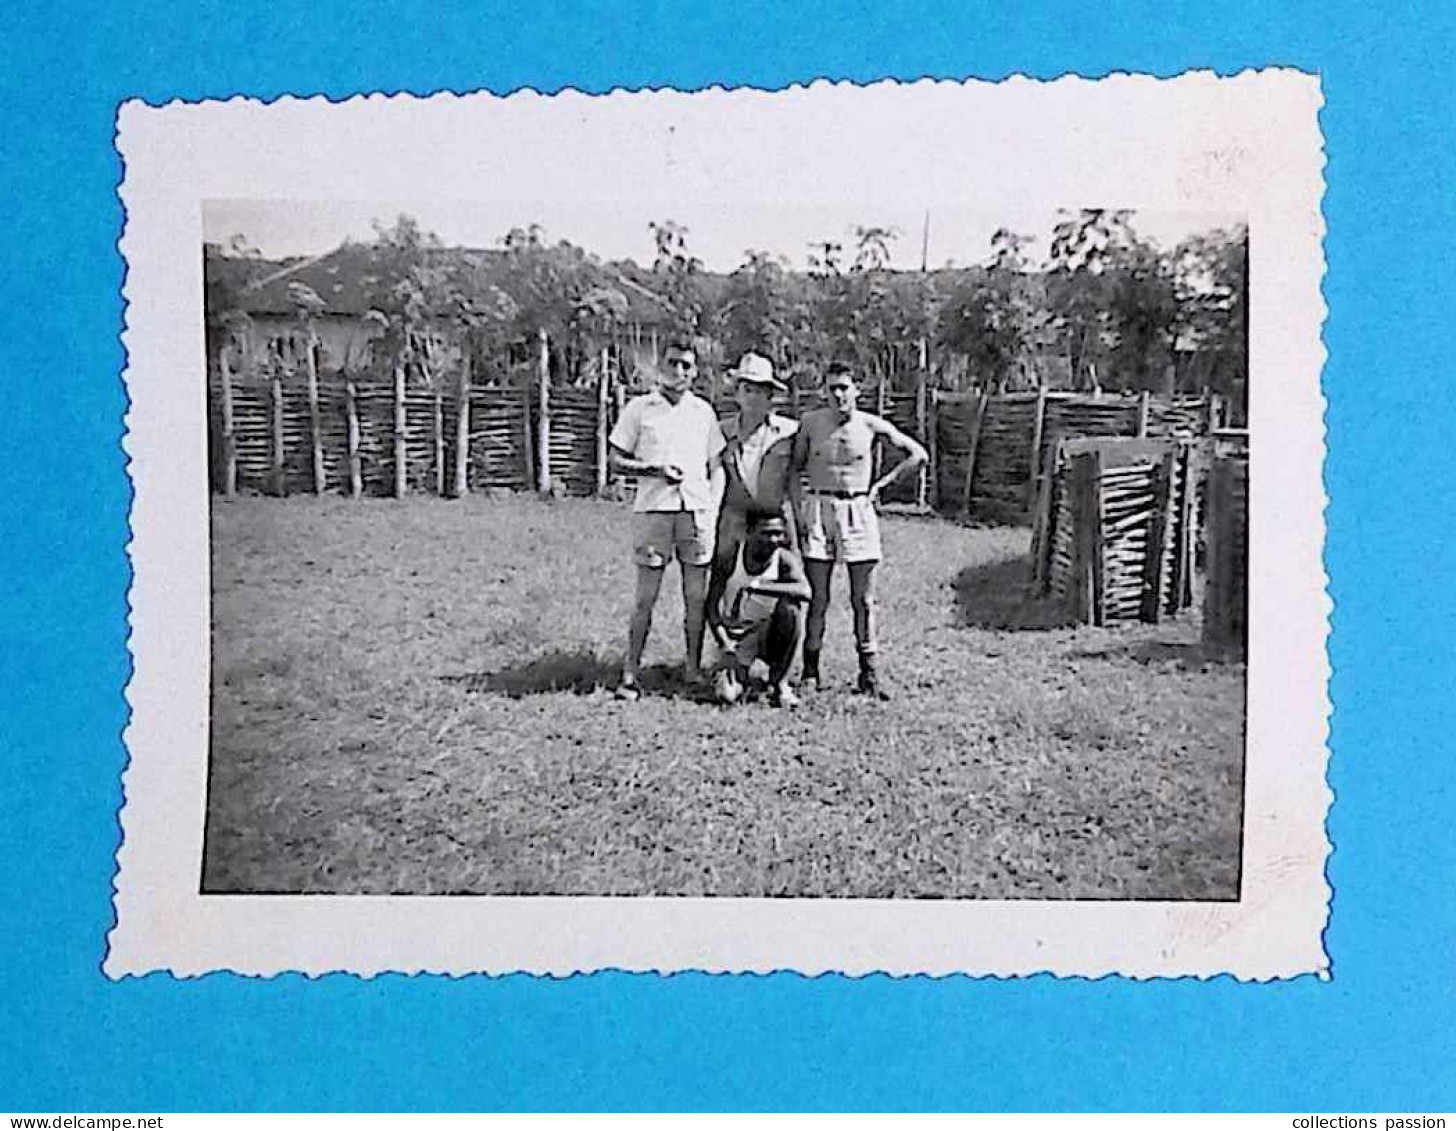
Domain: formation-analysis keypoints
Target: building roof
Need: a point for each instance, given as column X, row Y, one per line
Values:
column 342, row 279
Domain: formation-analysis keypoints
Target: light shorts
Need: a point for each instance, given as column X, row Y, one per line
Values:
column 733, row 531
column 660, row 536
column 839, row 530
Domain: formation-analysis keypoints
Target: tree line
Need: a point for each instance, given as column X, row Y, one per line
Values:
column 1105, row 309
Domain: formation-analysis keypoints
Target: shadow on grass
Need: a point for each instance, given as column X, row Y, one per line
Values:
column 998, row 595
column 1187, row 655
column 580, row 672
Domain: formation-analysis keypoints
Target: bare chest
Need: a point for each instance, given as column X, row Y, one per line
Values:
column 841, row 446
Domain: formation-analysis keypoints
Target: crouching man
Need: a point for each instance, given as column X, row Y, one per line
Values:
column 756, row 610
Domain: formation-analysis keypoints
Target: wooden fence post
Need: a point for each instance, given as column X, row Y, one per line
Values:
column 315, row 429
column 603, row 382
column 981, row 404
column 543, row 410
column 528, row 436
column 922, row 424
column 275, row 410
column 229, row 435
column 1215, row 596
column 1186, row 541
column 462, row 432
column 1079, row 585
column 1159, row 531
column 439, row 423
column 401, row 449
column 1144, row 402
column 1038, row 429
column 933, row 444
column 1043, row 514
column 1096, row 543
column 356, row 469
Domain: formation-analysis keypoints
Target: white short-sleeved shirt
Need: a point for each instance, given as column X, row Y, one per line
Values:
column 654, row 430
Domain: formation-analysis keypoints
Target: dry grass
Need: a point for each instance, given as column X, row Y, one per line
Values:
column 408, row 697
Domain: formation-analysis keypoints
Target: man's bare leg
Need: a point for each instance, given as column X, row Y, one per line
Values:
column 862, row 601
column 781, row 644
column 695, row 594
column 649, row 581
column 820, row 574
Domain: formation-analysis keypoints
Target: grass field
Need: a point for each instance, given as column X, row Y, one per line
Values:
column 411, row 697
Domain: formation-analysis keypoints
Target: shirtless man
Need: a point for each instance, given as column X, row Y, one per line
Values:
column 838, row 522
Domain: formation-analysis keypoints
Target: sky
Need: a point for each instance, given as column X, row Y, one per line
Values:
column 282, row 228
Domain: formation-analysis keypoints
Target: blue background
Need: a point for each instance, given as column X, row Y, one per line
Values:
column 1380, row 1036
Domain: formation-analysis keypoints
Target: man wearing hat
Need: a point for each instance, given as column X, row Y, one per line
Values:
column 760, row 446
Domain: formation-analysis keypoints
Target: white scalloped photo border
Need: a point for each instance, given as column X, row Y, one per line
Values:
column 1248, row 143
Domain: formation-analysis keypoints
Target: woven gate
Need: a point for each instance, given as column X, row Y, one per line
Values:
column 1115, row 530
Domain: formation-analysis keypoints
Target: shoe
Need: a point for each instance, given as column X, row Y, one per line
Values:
column 628, row 691
column 783, row 696
column 727, row 689
column 869, row 682
column 809, row 677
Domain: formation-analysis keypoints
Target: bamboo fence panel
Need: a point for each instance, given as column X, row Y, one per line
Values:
column 1017, row 433
column 1187, row 416
column 500, row 434
column 902, row 409
column 573, row 439
column 374, row 406
column 252, row 440
column 1113, row 533
column 1003, row 460
column 298, row 469
column 421, row 458
column 334, row 434
column 954, row 423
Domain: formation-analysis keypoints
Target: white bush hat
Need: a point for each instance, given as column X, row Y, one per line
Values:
column 755, row 369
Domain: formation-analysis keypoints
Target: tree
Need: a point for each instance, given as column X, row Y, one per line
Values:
column 1210, row 279
column 565, row 291
column 1114, row 307
column 994, row 316
column 679, row 275
column 763, row 309
column 408, row 287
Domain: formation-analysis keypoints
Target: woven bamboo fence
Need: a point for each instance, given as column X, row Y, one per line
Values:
column 332, row 434
column 991, row 451
column 1226, row 590
column 321, row 432
column 1116, row 528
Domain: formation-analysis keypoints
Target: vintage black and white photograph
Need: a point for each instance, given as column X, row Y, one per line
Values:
column 867, row 561
column 824, row 527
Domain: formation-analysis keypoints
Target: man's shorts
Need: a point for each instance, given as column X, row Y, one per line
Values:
column 660, row 536
column 832, row 529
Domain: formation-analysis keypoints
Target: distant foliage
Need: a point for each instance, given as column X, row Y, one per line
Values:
column 1105, row 308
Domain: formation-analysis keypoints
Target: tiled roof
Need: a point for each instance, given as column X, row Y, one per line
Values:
column 341, row 279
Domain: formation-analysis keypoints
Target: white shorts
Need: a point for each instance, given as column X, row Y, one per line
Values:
column 832, row 529
column 660, row 536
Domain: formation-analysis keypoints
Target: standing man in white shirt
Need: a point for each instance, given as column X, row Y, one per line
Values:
column 670, row 440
